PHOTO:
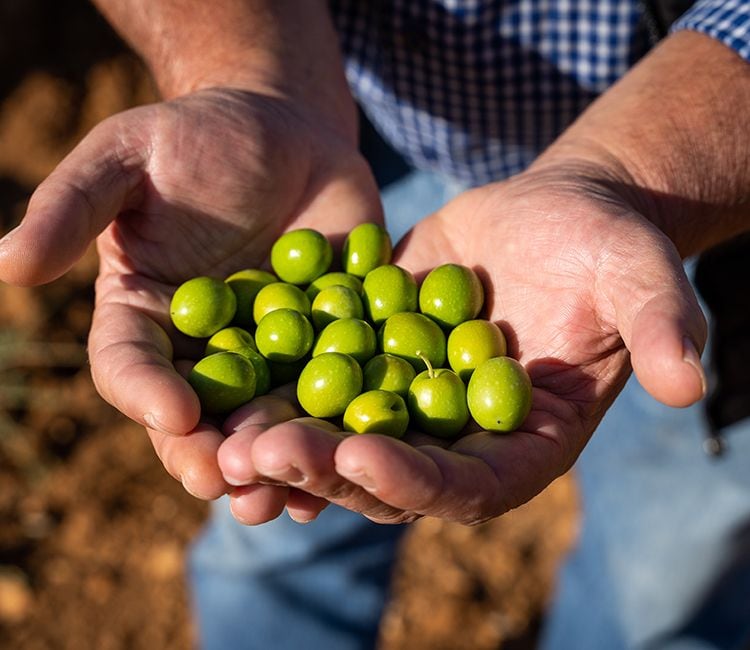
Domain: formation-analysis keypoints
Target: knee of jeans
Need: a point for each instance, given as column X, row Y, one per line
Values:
column 226, row 545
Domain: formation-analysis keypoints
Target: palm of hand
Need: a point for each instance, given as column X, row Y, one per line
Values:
column 201, row 185
column 546, row 278
column 570, row 273
column 223, row 173
column 220, row 176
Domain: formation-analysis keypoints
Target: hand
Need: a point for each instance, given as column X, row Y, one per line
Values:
column 582, row 284
column 201, row 185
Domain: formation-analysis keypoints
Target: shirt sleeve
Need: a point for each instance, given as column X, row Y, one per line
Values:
column 727, row 21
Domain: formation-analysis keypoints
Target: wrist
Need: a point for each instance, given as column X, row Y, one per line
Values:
column 670, row 139
column 278, row 48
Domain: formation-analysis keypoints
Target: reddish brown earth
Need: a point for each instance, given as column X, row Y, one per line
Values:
column 94, row 532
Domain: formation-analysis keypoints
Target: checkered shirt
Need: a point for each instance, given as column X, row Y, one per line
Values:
column 476, row 89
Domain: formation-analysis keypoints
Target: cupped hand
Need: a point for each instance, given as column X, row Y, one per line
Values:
column 584, row 287
column 200, row 185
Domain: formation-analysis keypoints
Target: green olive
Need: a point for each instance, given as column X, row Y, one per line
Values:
column 246, row 284
column 223, row 381
column 437, row 402
column 202, row 306
column 451, row 294
column 472, row 342
column 499, row 394
column 328, row 383
column 388, row 372
column 300, row 256
column 389, row 290
column 284, row 335
column 334, row 303
column 229, row 339
column 351, row 336
column 377, row 411
column 366, row 247
column 333, row 279
column 413, row 336
column 280, row 295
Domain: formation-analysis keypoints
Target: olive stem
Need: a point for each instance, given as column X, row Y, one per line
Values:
column 430, row 370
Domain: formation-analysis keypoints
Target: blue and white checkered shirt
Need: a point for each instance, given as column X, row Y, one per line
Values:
column 476, row 89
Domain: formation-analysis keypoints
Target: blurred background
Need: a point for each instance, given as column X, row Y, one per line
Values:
column 93, row 531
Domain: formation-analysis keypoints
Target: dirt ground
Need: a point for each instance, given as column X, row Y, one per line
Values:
column 94, row 531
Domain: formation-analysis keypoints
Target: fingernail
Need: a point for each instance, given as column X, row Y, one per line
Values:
column 362, row 479
column 301, row 520
column 238, row 519
column 193, row 493
column 289, row 475
column 265, row 480
column 233, row 480
column 690, row 356
column 152, row 423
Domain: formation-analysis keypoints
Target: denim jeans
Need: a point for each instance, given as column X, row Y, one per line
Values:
column 663, row 559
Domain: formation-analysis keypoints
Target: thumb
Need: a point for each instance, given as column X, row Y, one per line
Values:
column 72, row 206
column 665, row 331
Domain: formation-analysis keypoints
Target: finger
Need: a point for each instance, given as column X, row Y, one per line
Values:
column 667, row 334
column 73, row 205
column 256, row 504
column 664, row 328
column 482, row 476
column 242, row 428
column 304, row 507
column 131, row 364
column 302, row 456
column 426, row 480
column 191, row 459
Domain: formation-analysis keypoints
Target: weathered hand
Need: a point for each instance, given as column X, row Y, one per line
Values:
column 201, row 185
column 583, row 286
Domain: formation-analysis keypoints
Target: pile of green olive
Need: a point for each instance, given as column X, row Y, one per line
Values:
column 365, row 345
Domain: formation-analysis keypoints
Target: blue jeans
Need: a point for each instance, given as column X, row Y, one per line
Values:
column 663, row 560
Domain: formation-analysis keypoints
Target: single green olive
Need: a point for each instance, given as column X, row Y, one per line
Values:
column 246, row 284
column 377, row 411
column 411, row 336
column 389, row 290
column 284, row 335
column 351, row 336
column 223, row 381
column 328, row 383
column 202, row 306
column 472, row 342
column 229, row 339
column 388, row 372
column 437, row 402
column 300, row 256
column 451, row 294
column 280, row 295
column 334, row 303
column 332, row 279
column 366, row 247
column 499, row 394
